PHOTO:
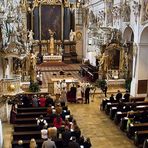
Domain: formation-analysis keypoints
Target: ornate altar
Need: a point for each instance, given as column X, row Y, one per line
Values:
column 113, row 61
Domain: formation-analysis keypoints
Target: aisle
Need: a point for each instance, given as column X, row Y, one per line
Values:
column 96, row 125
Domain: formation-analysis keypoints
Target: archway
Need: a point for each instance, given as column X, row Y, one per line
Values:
column 143, row 63
column 128, row 38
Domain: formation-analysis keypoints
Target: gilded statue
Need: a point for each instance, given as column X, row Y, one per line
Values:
column 104, row 62
column 32, row 59
column 51, row 42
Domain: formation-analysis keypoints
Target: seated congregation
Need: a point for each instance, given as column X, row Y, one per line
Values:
column 44, row 123
column 130, row 113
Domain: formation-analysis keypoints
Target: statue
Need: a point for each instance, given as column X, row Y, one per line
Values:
column 32, row 67
column 71, row 35
column 126, row 11
column 104, row 64
column 30, row 36
column 51, row 47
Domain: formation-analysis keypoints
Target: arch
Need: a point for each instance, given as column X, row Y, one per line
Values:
column 128, row 34
column 144, row 36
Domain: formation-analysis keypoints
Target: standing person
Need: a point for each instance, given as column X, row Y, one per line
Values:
column 57, row 90
column 105, row 90
column 63, row 97
column 126, row 96
column 87, row 143
column 78, row 94
column 48, row 144
column 44, row 133
column 42, row 101
column 35, row 101
column 87, row 91
column 13, row 114
column 41, row 122
column 118, row 96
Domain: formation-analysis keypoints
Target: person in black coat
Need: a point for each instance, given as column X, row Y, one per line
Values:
column 105, row 90
column 126, row 96
column 87, row 143
column 66, row 137
column 87, row 91
column 73, row 143
column 119, row 96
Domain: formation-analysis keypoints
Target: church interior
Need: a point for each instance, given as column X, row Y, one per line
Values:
column 73, row 73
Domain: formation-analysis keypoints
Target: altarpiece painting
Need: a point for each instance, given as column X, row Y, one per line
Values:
column 51, row 19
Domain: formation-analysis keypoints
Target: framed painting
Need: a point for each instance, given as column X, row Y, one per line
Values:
column 51, row 18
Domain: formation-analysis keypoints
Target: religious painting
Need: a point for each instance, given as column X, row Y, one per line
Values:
column 51, row 19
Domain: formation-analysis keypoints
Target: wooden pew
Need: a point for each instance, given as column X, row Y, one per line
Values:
column 113, row 110
column 30, row 120
column 109, row 105
column 30, row 114
column 133, row 127
column 132, row 99
column 32, row 109
column 26, row 135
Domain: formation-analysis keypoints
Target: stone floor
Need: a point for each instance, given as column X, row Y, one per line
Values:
column 93, row 123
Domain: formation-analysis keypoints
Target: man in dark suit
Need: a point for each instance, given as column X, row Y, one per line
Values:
column 87, row 91
column 118, row 96
column 66, row 137
column 126, row 96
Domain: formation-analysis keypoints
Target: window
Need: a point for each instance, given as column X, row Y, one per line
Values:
column 79, row 16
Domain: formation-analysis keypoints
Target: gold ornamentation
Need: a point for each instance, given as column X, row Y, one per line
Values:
column 78, row 35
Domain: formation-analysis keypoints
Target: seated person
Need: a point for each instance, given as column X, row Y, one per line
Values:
column 57, row 122
column 49, row 110
column 66, row 134
column 127, row 108
column 87, row 143
column 44, row 133
column 119, row 95
column 126, row 96
column 58, row 109
column 41, row 122
column 73, row 143
column 49, row 100
column 120, row 106
column 19, row 144
column 112, row 98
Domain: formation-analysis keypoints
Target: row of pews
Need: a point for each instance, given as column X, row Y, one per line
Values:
column 25, row 127
column 132, row 118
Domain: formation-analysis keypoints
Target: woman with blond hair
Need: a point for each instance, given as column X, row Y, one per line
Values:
column 33, row 143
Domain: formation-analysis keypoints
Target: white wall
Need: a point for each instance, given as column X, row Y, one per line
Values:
column 143, row 63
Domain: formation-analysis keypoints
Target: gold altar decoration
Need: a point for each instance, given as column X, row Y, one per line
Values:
column 78, row 35
column 11, row 87
column 51, row 42
column 32, row 60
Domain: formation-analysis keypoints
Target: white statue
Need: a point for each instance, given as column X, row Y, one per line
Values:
column 71, row 35
column 30, row 35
